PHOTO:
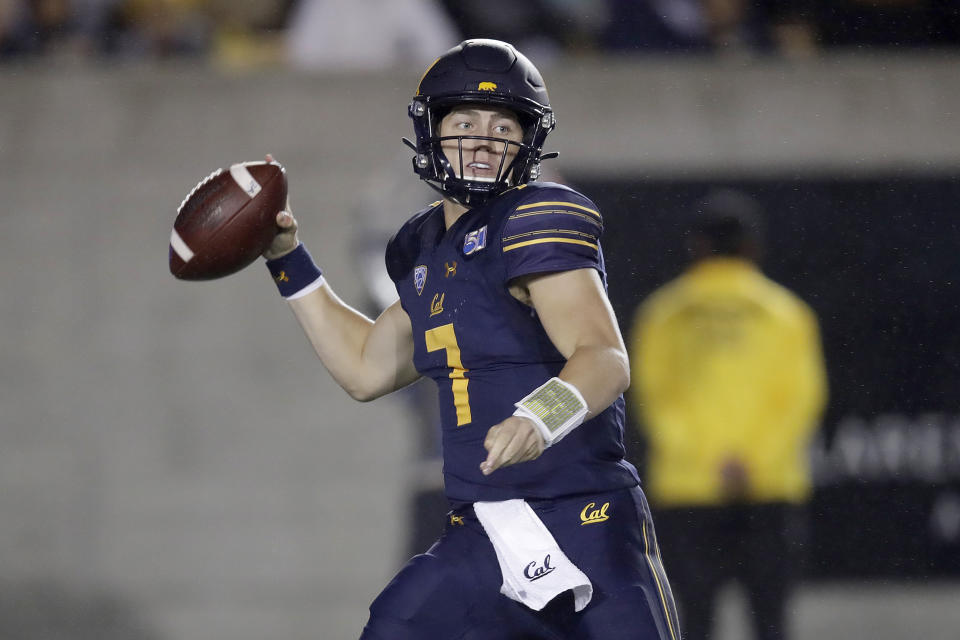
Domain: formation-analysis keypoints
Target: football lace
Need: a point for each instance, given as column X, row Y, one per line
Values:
column 198, row 187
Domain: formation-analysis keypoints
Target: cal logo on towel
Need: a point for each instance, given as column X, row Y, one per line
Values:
column 533, row 571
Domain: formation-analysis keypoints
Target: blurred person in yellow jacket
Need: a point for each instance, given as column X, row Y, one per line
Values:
column 729, row 382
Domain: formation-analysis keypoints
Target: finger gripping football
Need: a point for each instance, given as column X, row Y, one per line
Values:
column 227, row 221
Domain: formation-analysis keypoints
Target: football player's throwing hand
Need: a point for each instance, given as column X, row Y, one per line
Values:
column 286, row 239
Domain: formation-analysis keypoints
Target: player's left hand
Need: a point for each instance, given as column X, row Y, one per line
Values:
column 514, row 440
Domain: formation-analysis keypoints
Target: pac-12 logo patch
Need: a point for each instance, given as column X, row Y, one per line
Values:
column 420, row 277
column 475, row 241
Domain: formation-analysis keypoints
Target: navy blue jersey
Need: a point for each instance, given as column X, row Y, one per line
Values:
column 486, row 350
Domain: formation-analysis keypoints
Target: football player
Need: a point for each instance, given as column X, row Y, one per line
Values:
column 503, row 304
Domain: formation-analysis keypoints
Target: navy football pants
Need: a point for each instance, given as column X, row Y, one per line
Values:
column 452, row 592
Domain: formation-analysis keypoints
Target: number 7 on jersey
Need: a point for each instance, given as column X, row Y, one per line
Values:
column 443, row 337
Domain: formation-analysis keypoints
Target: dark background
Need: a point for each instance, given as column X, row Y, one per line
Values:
column 876, row 257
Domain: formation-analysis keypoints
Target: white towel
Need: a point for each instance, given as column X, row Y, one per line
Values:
column 534, row 568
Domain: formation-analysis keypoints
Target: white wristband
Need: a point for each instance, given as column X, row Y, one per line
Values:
column 310, row 288
column 555, row 407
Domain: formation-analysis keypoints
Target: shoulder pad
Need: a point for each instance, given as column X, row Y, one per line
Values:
column 404, row 246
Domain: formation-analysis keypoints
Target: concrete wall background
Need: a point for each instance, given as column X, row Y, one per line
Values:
column 173, row 453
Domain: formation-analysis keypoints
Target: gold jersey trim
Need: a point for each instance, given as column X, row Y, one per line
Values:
column 588, row 218
column 539, row 232
column 527, row 243
column 559, row 204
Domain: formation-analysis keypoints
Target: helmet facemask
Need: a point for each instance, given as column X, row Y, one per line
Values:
column 449, row 177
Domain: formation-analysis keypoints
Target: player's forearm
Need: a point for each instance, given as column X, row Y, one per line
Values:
column 600, row 374
column 339, row 334
column 592, row 379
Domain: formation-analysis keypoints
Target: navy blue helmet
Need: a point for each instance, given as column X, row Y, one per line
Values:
column 484, row 72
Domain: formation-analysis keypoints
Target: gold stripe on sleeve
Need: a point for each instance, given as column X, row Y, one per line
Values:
column 556, row 204
column 540, row 232
column 526, row 243
column 589, row 218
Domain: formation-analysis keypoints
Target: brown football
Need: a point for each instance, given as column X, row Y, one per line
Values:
column 227, row 221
